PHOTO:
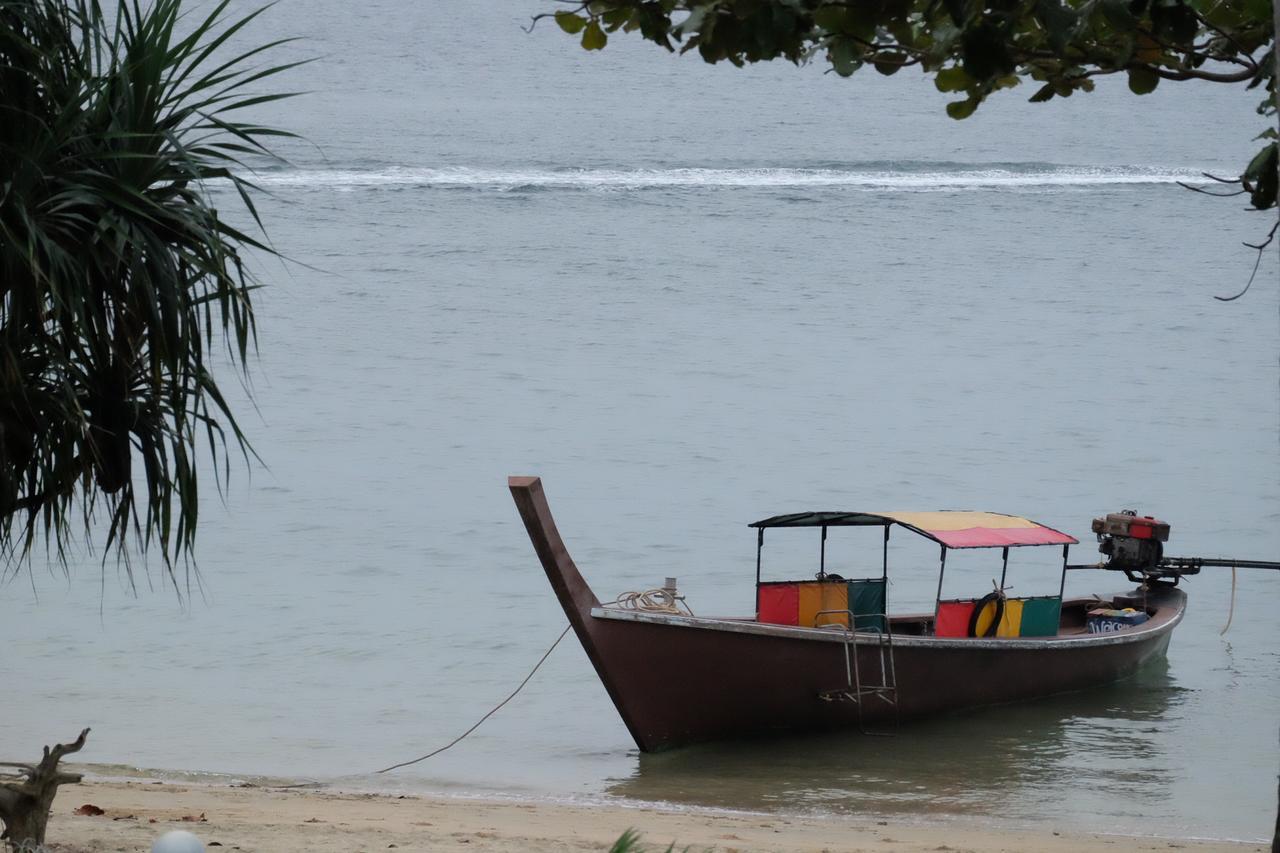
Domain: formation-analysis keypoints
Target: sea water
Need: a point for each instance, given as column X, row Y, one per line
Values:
column 690, row 297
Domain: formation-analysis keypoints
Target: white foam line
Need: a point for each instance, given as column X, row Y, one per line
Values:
column 639, row 179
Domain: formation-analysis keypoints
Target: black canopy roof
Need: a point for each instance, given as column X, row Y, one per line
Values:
column 824, row 519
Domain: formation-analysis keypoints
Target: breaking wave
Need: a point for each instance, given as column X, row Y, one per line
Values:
column 884, row 177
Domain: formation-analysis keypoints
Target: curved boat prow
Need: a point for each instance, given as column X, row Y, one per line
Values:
column 575, row 595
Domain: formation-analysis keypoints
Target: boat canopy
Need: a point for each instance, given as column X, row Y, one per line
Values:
column 950, row 528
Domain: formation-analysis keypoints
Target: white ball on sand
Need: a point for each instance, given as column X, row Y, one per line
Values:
column 178, row 841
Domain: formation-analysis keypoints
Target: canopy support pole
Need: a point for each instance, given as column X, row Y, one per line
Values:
column 1005, row 570
column 937, row 604
column 759, row 548
column 1062, row 586
column 884, row 566
column 822, row 556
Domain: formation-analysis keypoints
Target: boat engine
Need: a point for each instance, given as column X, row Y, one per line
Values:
column 1133, row 544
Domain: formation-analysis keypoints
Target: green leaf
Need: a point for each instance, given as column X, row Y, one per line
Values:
column 1044, row 93
column 962, row 109
column 616, row 18
column 1117, row 14
column 1142, row 80
column 845, row 57
column 1260, row 164
column 900, row 29
column 594, row 38
column 958, row 9
column 1262, row 177
column 953, row 79
column 1258, row 10
column 985, row 52
column 890, row 63
column 834, row 19
column 1058, row 20
column 570, row 22
column 1175, row 23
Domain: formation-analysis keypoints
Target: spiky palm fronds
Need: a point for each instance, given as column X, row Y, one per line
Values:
column 116, row 272
column 630, row 842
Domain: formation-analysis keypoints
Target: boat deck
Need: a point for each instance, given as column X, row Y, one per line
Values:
column 916, row 629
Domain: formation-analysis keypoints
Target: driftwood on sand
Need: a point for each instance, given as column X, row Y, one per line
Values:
column 27, row 792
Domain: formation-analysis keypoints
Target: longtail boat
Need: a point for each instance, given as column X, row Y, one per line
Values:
column 825, row 653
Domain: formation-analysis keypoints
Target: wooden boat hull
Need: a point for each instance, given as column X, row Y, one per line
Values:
column 677, row 680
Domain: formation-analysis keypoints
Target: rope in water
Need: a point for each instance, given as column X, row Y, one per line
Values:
column 1231, row 611
column 492, row 711
column 650, row 600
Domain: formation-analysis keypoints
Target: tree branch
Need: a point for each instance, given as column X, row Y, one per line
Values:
column 1207, row 25
column 61, row 749
column 1196, row 74
column 1204, row 191
column 25, row 788
column 1261, row 247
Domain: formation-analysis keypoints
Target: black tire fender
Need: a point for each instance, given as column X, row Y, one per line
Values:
column 977, row 614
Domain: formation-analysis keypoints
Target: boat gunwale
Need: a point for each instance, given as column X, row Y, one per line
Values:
column 794, row 632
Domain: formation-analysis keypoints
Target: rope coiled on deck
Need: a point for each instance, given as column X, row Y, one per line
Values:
column 651, row 601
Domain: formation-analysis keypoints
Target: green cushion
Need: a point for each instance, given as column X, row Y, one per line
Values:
column 1040, row 616
column 866, row 600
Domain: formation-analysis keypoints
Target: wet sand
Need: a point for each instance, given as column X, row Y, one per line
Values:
column 280, row 820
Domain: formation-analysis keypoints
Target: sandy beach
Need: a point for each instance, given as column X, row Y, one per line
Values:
column 277, row 820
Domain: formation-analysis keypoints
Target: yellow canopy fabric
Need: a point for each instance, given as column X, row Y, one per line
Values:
column 969, row 529
column 953, row 528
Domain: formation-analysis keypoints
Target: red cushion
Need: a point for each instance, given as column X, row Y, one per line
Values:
column 953, row 619
column 779, row 603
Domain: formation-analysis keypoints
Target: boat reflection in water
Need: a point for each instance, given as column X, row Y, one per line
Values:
column 1083, row 757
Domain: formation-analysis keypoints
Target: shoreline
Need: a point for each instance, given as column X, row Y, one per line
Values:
column 248, row 817
column 369, row 785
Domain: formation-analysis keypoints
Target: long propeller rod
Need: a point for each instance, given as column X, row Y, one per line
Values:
column 1186, row 565
column 1194, row 563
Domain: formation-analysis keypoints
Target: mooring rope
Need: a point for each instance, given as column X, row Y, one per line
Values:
column 651, row 601
column 1231, row 611
column 491, row 712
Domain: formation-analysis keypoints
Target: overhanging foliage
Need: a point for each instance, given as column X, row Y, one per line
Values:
column 974, row 48
column 117, row 274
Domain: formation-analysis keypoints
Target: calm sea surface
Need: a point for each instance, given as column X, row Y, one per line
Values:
column 691, row 297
